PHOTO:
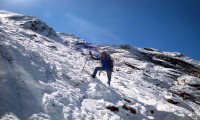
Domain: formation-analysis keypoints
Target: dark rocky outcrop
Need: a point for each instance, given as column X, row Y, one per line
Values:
column 112, row 108
column 175, row 63
column 128, row 108
column 39, row 27
column 132, row 66
column 172, row 101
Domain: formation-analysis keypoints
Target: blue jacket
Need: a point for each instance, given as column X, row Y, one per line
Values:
column 105, row 62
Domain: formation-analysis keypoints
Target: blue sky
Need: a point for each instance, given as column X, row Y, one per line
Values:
column 167, row 25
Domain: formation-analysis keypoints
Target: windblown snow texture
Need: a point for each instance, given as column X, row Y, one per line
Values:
column 41, row 78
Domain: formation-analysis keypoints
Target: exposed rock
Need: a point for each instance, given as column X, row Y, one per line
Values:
column 133, row 111
column 39, row 27
column 128, row 108
column 125, row 99
column 126, row 46
column 172, row 101
column 149, row 49
column 132, row 66
column 52, row 46
column 112, row 108
column 125, row 107
column 151, row 111
column 175, row 63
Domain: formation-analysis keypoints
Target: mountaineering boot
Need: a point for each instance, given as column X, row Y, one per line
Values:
column 92, row 76
column 108, row 83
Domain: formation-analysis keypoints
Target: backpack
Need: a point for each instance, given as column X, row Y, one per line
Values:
column 111, row 61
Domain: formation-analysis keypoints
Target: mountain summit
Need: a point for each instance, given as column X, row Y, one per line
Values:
column 42, row 78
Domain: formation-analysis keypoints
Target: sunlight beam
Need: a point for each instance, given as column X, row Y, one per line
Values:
column 91, row 31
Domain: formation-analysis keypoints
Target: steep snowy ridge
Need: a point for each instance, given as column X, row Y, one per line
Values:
column 42, row 78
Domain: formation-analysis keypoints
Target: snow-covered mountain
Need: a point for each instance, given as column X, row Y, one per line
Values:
column 41, row 78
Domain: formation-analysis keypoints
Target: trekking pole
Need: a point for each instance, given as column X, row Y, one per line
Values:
column 86, row 61
column 84, row 65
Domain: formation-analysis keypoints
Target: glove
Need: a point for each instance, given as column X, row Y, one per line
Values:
column 90, row 53
column 111, row 69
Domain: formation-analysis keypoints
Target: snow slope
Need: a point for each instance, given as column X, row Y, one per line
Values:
column 41, row 78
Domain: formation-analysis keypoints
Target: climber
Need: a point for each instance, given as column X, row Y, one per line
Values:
column 107, row 65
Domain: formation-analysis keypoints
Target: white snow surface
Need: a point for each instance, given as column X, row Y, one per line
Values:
column 42, row 78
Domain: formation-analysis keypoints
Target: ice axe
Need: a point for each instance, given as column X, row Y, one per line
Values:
column 84, row 65
column 86, row 62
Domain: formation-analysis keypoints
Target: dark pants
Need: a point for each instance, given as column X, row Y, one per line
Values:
column 108, row 71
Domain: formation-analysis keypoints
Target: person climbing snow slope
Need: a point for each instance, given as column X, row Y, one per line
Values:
column 107, row 65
